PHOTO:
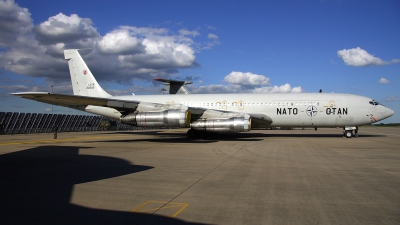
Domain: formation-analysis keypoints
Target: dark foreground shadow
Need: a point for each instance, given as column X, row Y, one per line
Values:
column 36, row 186
column 171, row 137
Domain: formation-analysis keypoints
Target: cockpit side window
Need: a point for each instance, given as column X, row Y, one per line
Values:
column 373, row 102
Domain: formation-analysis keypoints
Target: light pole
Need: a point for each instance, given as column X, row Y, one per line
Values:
column 51, row 93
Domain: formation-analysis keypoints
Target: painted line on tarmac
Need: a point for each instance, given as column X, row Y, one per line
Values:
column 380, row 133
column 47, row 141
column 154, row 206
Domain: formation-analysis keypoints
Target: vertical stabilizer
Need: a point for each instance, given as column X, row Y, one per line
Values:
column 83, row 81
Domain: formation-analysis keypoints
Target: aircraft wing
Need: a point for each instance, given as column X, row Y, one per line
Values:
column 77, row 100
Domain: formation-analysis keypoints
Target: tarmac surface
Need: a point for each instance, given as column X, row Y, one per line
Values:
column 161, row 177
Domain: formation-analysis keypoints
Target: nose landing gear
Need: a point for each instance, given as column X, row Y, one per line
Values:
column 348, row 132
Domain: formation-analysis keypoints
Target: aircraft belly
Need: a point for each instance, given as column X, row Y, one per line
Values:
column 344, row 120
column 292, row 121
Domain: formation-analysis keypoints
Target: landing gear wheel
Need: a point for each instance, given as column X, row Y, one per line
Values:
column 191, row 133
column 348, row 134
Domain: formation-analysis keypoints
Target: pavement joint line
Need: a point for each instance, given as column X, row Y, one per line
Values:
column 59, row 140
column 240, row 149
column 182, row 206
column 358, row 161
column 380, row 133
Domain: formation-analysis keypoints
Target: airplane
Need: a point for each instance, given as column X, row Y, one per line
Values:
column 208, row 114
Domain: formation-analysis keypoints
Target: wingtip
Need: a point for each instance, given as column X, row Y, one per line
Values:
column 28, row 93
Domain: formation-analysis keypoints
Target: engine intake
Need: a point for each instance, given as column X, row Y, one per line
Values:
column 234, row 124
column 166, row 118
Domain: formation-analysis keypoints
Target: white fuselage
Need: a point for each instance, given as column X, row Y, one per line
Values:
column 285, row 109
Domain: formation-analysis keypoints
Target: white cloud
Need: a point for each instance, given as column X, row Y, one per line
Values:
column 125, row 54
column 360, row 57
column 214, row 89
column 392, row 98
column 235, row 88
column 212, row 36
column 160, row 53
column 185, row 32
column 395, row 61
column 120, row 42
column 14, row 88
column 239, row 82
column 15, row 23
column 286, row 88
column 214, row 40
column 383, row 81
column 246, row 79
column 61, row 28
column 211, row 27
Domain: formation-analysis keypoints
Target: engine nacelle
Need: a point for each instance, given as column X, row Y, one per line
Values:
column 234, row 124
column 165, row 118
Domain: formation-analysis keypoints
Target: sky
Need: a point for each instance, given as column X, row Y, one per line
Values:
column 225, row 46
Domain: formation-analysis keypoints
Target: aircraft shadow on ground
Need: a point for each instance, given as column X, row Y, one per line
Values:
column 170, row 137
column 165, row 136
column 36, row 187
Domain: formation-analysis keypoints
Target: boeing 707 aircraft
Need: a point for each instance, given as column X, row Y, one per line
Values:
column 215, row 113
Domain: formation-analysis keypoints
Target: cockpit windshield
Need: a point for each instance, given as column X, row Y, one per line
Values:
column 373, row 102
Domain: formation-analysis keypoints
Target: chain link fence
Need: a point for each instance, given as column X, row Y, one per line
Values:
column 23, row 123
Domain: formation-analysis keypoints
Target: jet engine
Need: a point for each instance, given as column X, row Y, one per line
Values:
column 165, row 118
column 234, row 124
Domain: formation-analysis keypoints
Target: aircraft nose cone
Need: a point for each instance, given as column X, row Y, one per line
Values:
column 390, row 112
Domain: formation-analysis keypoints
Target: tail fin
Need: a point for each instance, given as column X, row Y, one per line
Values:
column 83, row 81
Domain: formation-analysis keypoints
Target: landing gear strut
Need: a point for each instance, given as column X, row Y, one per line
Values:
column 348, row 132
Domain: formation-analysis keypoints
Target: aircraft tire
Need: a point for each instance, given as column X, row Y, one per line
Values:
column 348, row 134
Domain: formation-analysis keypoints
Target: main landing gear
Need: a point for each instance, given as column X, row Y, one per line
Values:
column 348, row 132
column 192, row 134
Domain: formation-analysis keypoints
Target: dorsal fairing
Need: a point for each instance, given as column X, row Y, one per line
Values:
column 83, row 81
